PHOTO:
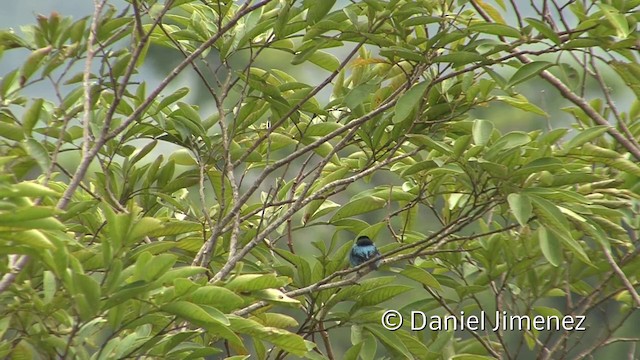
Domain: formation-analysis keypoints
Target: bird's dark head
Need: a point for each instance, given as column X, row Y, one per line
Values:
column 364, row 241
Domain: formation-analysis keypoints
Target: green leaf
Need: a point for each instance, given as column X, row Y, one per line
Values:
column 144, row 227
column 274, row 295
column 482, row 130
column 49, row 287
column 460, row 58
column 31, row 116
column 319, row 208
column 520, row 102
column 48, row 223
column 29, row 213
column 550, row 246
column 32, row 63
column 283, row 339
column 322, row 129
column 90, row 288
column 408, row 102
column 318, row 9
column 585, row 136
column 195, row 313
column 552, row 218
column 521, row 207
column 224, row 299
column 491, row 11
column 183, row 157
column 538, row 165
column 28, row 189
column 31, row 238
column 353, row 352
column 421, row 166
column 356, row 291
column 358, row 206
column 39, row 153
column 325, row 60
column 381, row 294
column 421, row 275
column 470, row 357
column 527, row 71
column 544, row 29
column 549, row 214
column 175, row 228
column 252, row 282
column 157, row 266
column 496, row 29
column 358, row 95
column 429, row 143
column 625, row 165
column 617, row 19
column 11, row 131
column 630, row 74
column 390, row 340
column 548, row 311
column 181, row 272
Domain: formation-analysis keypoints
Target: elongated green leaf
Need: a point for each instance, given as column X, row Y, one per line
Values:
column 318, row 10
column 491, row 11
column 390, row 340
column 527, row 71
column 537, row 165
column 552, row 218
column 482, row 130
column 470, row 357
column 32, row 62
column 550, row 246
column 617, row 19
column 251, row 282
column 381, row 294
column 353, row 352
column 181, row 272
column 585, row 136
column 422, row 165
column 224, row 299
column 358, row 206
column 39, row 153
column 285, row 340
column 496, row 29
column 421, row 275
column 143, row 227
column 521, row 207
column 550, row 215
column 30, row 213
column 356, row 291
column 460, row 58
column 175, row 228
column 630, row 74
column 11, row 131
column 408, row 102
column 325, row 60
column 31, row 238
column 156, row 267
column 31, row 116
column 429, row 143
column 544, row 29
column 195, row 313
column 358, row 95
column 520, row 102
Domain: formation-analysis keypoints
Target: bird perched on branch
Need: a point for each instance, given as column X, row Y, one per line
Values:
column 363, row 250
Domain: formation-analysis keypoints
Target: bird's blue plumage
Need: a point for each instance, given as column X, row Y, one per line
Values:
column 363, row 250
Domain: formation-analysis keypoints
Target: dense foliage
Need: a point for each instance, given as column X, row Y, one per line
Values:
column 139, row 222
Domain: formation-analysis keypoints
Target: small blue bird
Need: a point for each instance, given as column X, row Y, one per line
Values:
column 363, row 250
